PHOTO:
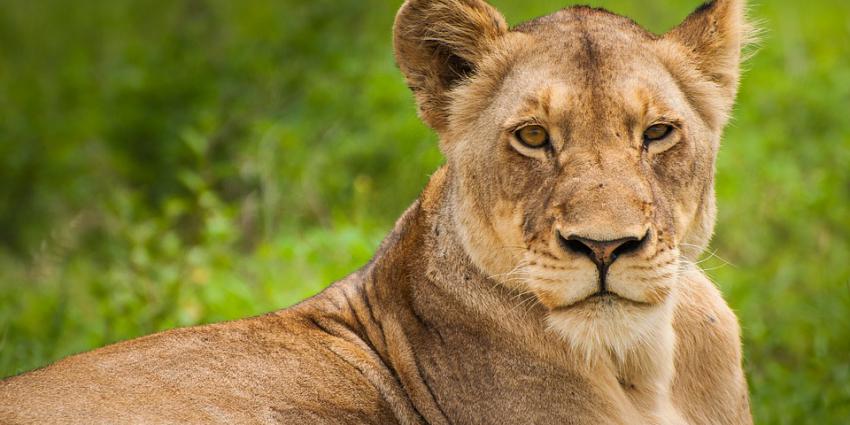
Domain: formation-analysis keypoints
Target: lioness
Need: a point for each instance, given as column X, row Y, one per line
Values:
column 545, row 275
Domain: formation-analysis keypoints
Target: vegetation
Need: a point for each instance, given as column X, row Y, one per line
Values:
column 171, row 163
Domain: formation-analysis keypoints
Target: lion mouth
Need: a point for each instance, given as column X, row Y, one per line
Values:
column 603, row 297
column 603, row 293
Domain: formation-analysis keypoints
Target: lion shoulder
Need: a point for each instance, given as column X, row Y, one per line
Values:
column 708, row 376
column 266, row 368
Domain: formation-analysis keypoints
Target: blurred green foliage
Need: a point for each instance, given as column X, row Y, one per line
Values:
column 168, row 163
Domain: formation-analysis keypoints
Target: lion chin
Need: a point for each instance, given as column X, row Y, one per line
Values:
column 606, row 325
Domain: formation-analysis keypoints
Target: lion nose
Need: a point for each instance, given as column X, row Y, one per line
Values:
column 602, row 253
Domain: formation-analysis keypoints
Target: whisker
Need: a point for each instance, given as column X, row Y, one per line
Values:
column 523, row 248
column 711, row 254
column 531, row 302
column 522, row 263
column 685, row 263
column 522, row 304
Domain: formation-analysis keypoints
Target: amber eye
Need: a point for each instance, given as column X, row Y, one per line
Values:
column 656, row 132
column 533, row 136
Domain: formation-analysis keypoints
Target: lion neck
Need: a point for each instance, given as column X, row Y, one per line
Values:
column 453, row 289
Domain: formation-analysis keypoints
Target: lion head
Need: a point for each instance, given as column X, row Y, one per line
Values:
column 580, row 150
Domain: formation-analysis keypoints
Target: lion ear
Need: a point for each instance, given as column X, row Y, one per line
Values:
column 440, row 42
column 715, row 35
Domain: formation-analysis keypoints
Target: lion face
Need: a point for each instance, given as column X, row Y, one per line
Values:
column 581, row 150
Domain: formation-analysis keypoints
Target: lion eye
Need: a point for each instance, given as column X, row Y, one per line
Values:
column 656, row 132
column 533, row 136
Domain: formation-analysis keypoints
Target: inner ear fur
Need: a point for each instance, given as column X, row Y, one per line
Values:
column 715, row 35
column 437, row 44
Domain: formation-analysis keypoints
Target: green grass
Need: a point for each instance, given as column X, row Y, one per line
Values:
column 171, row 163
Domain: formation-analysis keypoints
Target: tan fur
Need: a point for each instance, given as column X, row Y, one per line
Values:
column 474, row 310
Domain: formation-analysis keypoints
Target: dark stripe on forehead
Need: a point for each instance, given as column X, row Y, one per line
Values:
column 589, row 58
column 589, row 52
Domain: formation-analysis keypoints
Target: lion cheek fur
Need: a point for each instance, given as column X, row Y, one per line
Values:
column 493, row 244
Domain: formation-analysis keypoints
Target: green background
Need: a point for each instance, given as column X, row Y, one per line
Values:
column 168, row 163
